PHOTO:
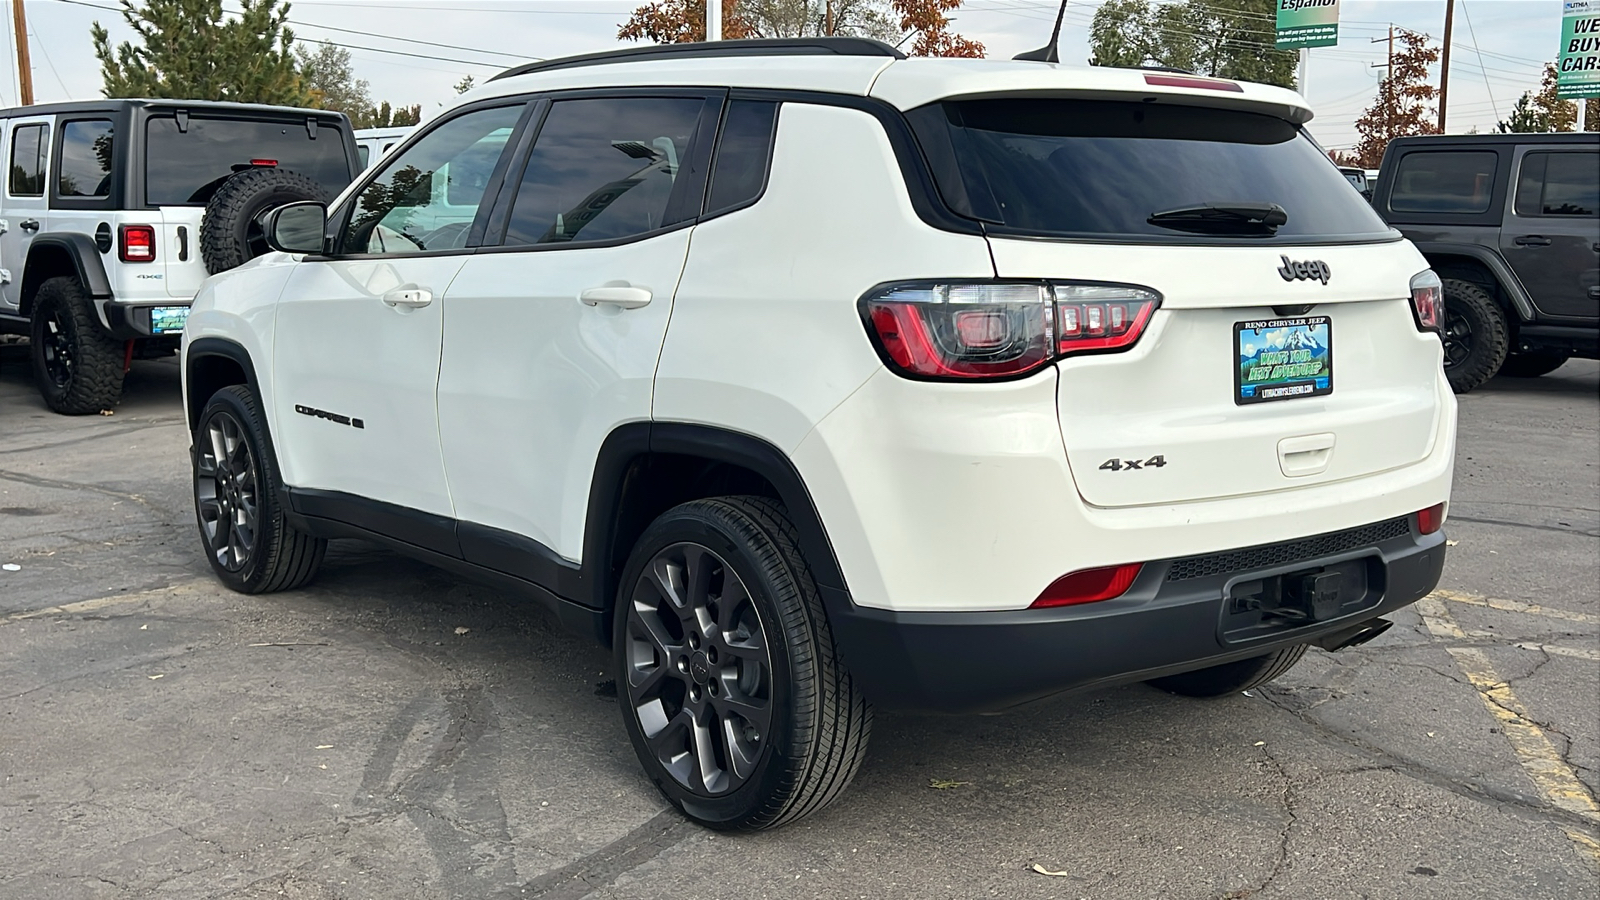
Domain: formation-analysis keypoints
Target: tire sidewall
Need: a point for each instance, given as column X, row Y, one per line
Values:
column 239, row 203
column 232, row 400
column 97, row 365
column 45, row 305
column 1487, row 348
column 772, row 771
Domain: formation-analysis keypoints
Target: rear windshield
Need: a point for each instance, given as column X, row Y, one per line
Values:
column 184, row 168
column 1101, row 169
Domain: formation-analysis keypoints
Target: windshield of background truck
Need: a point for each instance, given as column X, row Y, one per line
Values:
column 185, row 167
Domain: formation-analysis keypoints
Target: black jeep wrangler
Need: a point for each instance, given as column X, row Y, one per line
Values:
column 1511, row 222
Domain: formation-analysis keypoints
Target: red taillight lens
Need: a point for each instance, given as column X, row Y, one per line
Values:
column 136, row 243
column 987, row 330
column 1431, row 519
column 1427, row 300
column 1089, row 586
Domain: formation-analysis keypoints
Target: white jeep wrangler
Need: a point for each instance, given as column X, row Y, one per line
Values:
column 814, row 379
column 104, row 239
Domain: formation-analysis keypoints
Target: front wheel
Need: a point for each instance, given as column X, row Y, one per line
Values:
column 1231, row 678
column 249, row 544
column 732, row 692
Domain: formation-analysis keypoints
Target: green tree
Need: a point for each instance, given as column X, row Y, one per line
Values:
column 465, row 84
column 1223, row 38
column 383, row 116
column 327, row 71
column 679, row 21
column 187, row 49
column 1543, row 111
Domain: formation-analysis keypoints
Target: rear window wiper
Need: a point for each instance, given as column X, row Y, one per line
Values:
column 1240, row 217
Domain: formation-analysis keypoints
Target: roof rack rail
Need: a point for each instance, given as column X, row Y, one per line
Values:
column 813, row 46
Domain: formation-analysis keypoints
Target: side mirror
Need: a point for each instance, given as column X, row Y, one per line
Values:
column 296, row 227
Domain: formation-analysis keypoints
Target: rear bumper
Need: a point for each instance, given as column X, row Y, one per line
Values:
column 1177, row 617
column 129, row 322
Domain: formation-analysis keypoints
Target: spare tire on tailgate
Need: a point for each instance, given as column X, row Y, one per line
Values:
column 231, row 232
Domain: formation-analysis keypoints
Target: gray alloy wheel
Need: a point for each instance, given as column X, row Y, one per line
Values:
column 697, row 672
column 226, row 492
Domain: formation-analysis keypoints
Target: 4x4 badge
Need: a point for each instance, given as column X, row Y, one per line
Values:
column 1316, row 268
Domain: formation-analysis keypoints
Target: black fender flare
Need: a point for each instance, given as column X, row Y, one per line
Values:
column 85, row 257
column 1492, row 261
column 630, row 441
column 218, row 347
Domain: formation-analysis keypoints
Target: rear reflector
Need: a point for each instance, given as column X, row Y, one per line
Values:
column 269, row 163
column 1192, row 81
column 136, row 243
column 1089, row 586
column 1431, row 519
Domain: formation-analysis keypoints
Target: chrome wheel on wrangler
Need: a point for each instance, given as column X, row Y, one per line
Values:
column 698, row 675
column 225, row 492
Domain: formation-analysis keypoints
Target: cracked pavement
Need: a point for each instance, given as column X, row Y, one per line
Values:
column 161, row 736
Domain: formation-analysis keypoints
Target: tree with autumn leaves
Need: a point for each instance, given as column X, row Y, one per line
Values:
column 1404, row 105
column 680, row 21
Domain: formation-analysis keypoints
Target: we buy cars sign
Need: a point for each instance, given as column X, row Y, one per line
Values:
column 1307, row 23
column 1578, row 68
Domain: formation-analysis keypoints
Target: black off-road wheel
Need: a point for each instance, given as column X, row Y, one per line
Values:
column 1534, row 363
column 250, row 546
column 732, row 692
column 1475, row 335
column 77, row 366
column 1231, row 678
column 231, row 232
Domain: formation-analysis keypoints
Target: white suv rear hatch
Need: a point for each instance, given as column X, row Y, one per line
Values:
column 1073, row 190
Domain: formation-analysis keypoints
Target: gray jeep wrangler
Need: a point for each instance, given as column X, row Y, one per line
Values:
column 1511, row 222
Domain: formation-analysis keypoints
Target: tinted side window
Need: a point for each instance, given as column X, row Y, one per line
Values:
column 603, row 169
column 1444, row 181
column 743, row 152
column 427, row 197
column 84, row 169
column 28, row 145
column 1559, row 184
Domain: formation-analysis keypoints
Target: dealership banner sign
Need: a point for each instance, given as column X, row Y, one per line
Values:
column 1309, row 23
column 1578, row 67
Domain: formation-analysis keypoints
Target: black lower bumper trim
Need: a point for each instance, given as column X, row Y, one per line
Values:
column 977, row 662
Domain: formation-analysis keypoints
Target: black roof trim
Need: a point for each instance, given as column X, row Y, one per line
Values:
column 813, row 46
column 116, row 104
column 1535, row 137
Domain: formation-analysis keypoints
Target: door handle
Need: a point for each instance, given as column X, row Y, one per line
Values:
column 30, row 225
column 623, row 296
column 1532, row 240
column 408, row 298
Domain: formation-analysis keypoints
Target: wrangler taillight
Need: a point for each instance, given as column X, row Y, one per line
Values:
column 966, row 331
column 1427, row 300
column 136, row 243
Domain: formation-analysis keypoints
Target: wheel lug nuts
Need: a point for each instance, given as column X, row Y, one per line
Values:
column 713, row 687
column 683, row 664
column 711, row 654
column 694, row 641
column 694, row 693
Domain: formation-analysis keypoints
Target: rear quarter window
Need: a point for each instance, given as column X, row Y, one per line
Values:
column 1444, row 181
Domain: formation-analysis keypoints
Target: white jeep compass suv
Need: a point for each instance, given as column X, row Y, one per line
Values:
column 813, row 379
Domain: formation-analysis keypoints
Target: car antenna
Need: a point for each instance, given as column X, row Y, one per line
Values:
column 1048, row 53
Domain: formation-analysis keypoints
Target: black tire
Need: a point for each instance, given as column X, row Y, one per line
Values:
column 785, row 728
column 77, row 365
column 1231, row 678
column 1534, row 363
column 230, row 232
column 251, row 547
column 1475, row 335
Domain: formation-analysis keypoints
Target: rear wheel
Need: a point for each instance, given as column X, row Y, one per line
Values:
column 249, row 544
column 732, row 693
column 1231, row 678
column 78, row 366
column 1534, row 363
column 1474, row 335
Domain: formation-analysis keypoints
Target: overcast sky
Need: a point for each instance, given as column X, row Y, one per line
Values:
column 1515, row 38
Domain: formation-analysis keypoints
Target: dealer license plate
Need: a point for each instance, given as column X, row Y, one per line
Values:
column 168, row 319
column 1279, row 359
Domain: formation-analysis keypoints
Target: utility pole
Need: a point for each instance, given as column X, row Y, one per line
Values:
column 1385, row 88
column 713, row 20
column 827, row 27
column 1444, row 63
column 19, row 21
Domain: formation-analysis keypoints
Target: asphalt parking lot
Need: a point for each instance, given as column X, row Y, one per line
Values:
column 391, row 732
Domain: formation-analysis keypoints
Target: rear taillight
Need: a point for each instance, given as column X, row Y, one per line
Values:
column 136, row 243
column 1431, row 519
column 991, row 330
column 1427, row 300
column 1089, row 586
